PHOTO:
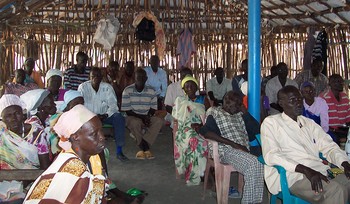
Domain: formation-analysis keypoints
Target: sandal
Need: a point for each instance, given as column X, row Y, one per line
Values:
column 140, row 155
column 149, row 155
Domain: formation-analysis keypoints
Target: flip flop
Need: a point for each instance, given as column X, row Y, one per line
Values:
column 140, row 155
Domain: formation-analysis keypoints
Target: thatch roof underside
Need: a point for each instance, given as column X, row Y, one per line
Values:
column 204, row 16
column 62, row 27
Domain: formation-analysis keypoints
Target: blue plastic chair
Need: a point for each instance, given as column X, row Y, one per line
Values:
column 285, row 196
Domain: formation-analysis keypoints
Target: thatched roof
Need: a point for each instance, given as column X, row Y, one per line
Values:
column 204, row 16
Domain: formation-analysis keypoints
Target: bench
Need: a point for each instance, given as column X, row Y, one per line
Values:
column 20, row 174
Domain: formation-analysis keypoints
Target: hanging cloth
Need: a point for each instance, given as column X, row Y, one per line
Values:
column 320, row 49
column 160, row 36
column 185, row 48
column 106, row 32
column 309, row 45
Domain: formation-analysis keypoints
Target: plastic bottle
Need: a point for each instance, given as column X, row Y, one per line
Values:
column 347, row 145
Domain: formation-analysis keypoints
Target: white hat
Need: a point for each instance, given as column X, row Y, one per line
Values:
column 9, row 100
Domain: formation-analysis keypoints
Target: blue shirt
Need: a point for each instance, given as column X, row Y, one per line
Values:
column 157, row 80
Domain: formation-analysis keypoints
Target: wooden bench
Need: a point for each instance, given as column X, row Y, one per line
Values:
column 20, row 174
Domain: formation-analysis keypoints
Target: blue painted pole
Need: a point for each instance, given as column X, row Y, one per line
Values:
column 254, row 84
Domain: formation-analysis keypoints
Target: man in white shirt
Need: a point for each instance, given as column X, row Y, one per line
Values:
column 275, row 84
column 157, row 79
column 294, row 142
column 100, row 99
column 218, row 86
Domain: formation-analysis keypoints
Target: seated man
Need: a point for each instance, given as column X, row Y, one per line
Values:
column 19, row 86
column 294, row 142
column 99, row 98
column 78, row 73
column 275, row 84
column 226, row 126
column 157, row 78
column 139, row 101
column 238, row 80
column 127, row 78
column 314, row 75
column 218, row 86
column 338, row 108
column 111, row 75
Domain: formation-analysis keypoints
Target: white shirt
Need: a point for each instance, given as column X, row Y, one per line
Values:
column 104, row 101
column 274, row 85
column 219, row 90
column 173, row 91
column 319, row 108
column 288, row 143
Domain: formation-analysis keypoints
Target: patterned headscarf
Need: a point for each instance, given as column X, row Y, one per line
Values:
column 70, row 122
column 188, row 78
column 9, row 100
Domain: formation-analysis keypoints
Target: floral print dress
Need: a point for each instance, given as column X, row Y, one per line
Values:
column 190, row 149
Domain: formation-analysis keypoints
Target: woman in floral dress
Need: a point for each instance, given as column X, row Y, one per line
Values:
column 190, row 148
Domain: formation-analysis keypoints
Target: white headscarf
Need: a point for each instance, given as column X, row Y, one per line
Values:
column 68, row 97
column 9, row 100
column 33, row 99
column 53, row 72
column 70, row 122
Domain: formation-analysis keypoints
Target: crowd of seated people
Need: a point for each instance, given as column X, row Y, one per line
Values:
column 131, row 99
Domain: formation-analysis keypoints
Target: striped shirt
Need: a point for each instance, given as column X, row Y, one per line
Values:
column 339, row 111
column 139, row 102
column 72, row 80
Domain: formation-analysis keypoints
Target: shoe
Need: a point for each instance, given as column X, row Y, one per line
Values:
column 149, row 155
column 122, row 157
column 140, row 155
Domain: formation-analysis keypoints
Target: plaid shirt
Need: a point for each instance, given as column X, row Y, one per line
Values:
column 320, row 82
column 232, row 127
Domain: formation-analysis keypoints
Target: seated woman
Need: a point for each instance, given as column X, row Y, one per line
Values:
column 18, row 86
column 190, row 149
column 53, row 83
column 71, row 99
column 80, row 139
column 40, row 106
column 315, row 108
column 22, row 144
